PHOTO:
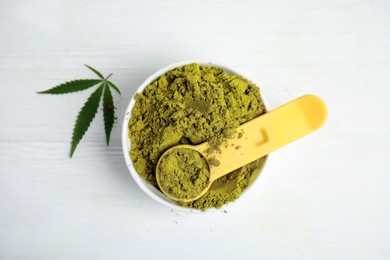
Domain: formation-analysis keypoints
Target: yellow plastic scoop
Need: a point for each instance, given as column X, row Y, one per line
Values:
column 253, row 140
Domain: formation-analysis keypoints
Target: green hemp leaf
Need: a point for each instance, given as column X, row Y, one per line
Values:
column 90, row 108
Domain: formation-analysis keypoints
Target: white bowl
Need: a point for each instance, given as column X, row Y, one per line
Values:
column 146, row 187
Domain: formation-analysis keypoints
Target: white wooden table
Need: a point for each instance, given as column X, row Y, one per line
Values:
column 324, row 197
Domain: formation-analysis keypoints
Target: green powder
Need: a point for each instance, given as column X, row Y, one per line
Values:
column 183, row 173
column 190, row 105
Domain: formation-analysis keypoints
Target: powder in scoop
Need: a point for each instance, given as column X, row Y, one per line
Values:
column 193, row 104
column 183, row 173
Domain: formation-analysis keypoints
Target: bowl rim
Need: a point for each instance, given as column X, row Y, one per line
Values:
column 149, row 189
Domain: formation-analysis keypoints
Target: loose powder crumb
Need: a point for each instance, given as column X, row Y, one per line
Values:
column 183, row 173
column 213, row 161
column 193, row 104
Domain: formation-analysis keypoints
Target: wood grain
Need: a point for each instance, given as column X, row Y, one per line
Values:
column 322, row 197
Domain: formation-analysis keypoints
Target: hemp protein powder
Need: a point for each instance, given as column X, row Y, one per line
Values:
column 183, row 182
column 193, row 104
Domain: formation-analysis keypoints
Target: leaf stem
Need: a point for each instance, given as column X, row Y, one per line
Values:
column 108, row 76
column 90, row 108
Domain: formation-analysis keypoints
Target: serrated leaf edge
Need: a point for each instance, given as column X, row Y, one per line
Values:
column 66, row 85
column 75, row 142
column 108, row 125
column 95, row 71
column 114, row 87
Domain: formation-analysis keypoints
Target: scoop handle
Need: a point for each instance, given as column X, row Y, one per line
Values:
column 269, row 132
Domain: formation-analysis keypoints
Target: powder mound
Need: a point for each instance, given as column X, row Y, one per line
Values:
column 190, row 105
column 183, row 173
